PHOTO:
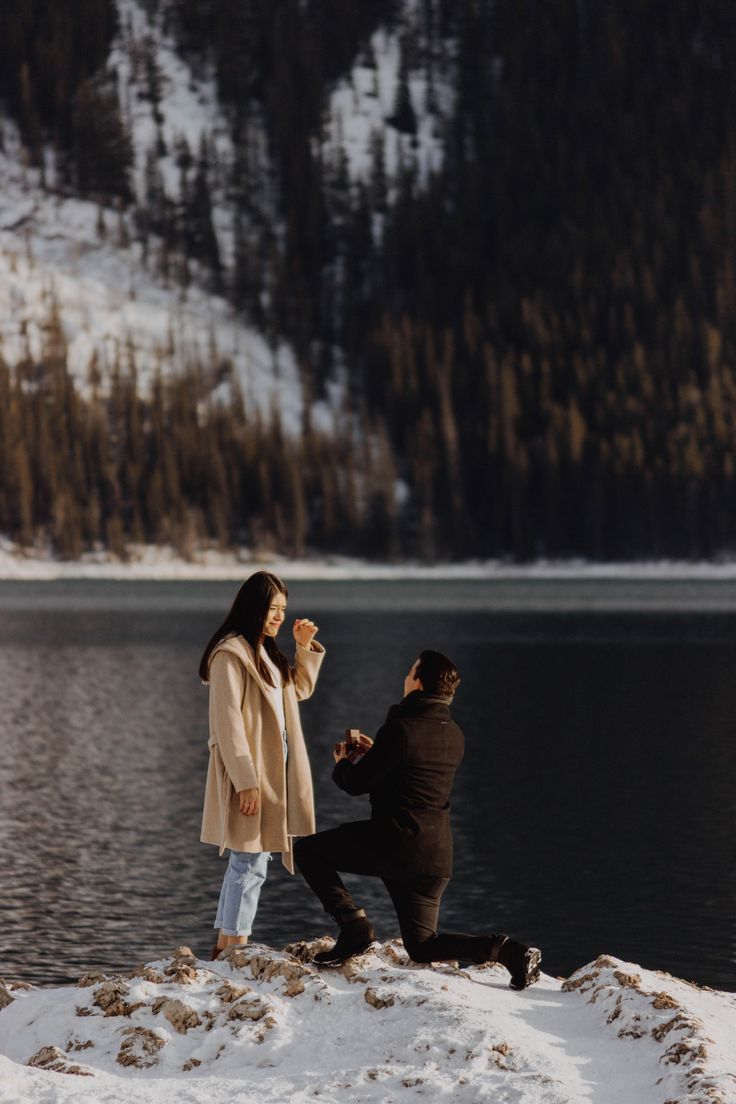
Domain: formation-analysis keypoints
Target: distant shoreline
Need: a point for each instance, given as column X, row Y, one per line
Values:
column 161, row 564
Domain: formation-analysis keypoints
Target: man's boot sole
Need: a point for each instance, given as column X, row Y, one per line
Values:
column 532, row 963
column 331, row 962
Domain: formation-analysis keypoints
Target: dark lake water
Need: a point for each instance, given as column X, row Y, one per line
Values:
column 594, row 812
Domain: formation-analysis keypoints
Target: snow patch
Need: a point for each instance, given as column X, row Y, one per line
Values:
column 109, row 303
column 160, row 562
column 362, row 104
column 270, row 1027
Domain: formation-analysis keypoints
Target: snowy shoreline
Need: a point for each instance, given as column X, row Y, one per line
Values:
column 267, row 1026
column 156, row 563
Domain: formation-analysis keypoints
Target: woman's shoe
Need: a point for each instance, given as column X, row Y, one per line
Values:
column 216, row 952
column 356, row 936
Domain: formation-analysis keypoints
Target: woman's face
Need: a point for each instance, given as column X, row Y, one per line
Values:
column 275, row 615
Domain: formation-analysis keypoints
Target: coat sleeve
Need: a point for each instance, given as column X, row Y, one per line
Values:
column 307, row 663
column 226, row 720
column 385, row 756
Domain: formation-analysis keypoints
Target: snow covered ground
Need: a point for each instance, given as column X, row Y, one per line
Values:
column 263, row 1026
column 163, row 563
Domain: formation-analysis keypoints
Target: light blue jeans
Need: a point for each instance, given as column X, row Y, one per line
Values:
column 241, row 887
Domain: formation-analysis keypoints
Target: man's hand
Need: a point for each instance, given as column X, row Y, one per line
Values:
column 352, row 749
column 305, row 631
column 248, row 801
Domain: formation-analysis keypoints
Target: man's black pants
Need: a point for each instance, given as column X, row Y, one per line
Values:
column 351, row 848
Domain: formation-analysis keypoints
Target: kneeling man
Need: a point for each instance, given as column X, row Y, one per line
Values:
column 408, row 772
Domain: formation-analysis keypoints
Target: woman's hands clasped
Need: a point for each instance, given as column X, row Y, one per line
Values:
column 305, row 631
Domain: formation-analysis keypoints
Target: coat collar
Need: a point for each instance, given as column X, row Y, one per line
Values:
column 239, row 646
column 420, row 703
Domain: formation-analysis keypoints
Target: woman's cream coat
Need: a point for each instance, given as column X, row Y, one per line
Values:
column 246, row 750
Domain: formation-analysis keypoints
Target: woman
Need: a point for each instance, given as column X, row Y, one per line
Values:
column 259, row 785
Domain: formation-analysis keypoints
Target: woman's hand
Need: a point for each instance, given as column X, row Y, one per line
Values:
column 248, row 801
column 339, row 751
column 305, row 631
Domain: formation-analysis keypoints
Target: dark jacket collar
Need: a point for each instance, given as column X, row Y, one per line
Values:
column 420, row 703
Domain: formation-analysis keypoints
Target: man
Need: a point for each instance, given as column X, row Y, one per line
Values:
column 408, row 772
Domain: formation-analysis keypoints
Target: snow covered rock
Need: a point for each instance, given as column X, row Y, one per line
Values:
column 267, row 1026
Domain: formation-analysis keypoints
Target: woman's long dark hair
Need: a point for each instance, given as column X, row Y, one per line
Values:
column 246, row 618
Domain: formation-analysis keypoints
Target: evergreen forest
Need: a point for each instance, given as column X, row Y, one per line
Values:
column 539, row 339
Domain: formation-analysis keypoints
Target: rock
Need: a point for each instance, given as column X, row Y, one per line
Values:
column 351, row 971
column 678, row 1023
column 664, row 1000
column 236, row 956
column 140, row 1048
column 181, row 971
column 252, row 1008
column 228, row 993
column 148, row 973
column 395, row 953
column 294, row 987
column 110, row 997
column 579, row 982
column 181, row 1016
column 304, row 950
column 627, row 981
column 92, row 977
column 191, row 1064
column 51, row 1058
column 499, row 1054
column 684, row 1052
column 183, row 952
column 79, row 1044
column 373, row 998
column 267, row 1024
column 5, row 996
column 263, row 969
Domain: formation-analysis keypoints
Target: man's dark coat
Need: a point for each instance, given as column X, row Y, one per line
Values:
column 408, row 774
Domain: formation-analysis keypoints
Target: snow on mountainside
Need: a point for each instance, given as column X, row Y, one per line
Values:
column 65, row 254
column 266, row 1026
column 362, row 103
column 62, row 252
column 107, row 301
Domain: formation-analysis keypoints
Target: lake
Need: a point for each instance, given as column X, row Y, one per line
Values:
column 594, row 811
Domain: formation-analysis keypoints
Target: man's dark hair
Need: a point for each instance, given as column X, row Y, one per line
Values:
column 437, row 674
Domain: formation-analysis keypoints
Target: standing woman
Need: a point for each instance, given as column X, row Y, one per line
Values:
column 259, row 786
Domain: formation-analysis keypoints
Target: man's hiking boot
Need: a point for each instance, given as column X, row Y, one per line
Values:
column 521, row 961
column 356, row 936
